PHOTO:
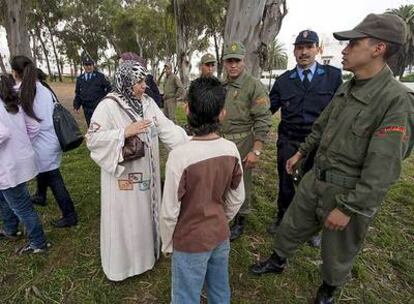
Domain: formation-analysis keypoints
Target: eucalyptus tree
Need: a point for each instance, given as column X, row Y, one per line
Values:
column 13, row 16
column 255, row 24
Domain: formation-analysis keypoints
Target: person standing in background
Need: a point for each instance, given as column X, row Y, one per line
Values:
column 91, row 87
column 173, row 91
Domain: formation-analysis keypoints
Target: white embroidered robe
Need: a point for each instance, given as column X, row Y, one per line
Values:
column 130, row 191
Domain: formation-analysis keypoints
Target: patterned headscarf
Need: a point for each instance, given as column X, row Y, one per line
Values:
column 127, row 75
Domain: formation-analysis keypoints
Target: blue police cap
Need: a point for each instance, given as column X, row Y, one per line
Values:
column 87, row 60
column 307, row 36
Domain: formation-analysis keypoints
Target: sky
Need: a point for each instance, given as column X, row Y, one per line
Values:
column 327, row 16
column 322, row 16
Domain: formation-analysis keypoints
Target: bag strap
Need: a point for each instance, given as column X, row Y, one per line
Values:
column 54, row 97
column 122, row 107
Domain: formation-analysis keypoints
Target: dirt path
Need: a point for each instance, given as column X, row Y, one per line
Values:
column 66, row 93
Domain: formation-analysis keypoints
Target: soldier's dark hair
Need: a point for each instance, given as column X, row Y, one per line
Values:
column 205, row 102
column 390, row 48
column 8, row 95
column 25, row 69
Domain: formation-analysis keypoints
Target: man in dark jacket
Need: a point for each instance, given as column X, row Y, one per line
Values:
column 301, row 94
column 91, row 87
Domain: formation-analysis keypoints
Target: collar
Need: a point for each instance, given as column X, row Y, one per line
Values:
column 365, row 93
column 312, row 68
column 318, row 70
column 238, row 82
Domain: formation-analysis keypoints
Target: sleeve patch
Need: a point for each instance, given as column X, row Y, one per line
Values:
column 94, row 127
column 384, row 132
column 261, row 101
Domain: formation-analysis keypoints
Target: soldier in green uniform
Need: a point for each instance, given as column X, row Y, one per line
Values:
column 207, row 68
column 207, row 65
column 247, row 121
column 362, row 137
column 173, row 91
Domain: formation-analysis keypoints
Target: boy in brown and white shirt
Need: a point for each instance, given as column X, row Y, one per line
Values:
column 203, row 191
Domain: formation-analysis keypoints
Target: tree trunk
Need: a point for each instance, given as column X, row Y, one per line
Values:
column 255, row 24
column 55, row 53
column 218, row 55
column 2, row 66
column 270, row 80
column 34, row 47
column 182, row 44
column 154, row 68
column 42, row 43
column 139, row 43
column 15, row 24
column 75, row 71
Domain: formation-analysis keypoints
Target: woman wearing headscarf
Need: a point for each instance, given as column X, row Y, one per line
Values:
column 152, row 88
column 130, row 190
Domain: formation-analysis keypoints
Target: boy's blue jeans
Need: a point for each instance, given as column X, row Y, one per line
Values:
column 15, row 205
column 190, row 270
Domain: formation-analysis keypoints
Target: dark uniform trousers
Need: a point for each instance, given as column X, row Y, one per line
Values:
column 87, row 112
column 286, row 148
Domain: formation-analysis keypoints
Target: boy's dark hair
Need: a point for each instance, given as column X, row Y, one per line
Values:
column 8, row 95
column 206, row 98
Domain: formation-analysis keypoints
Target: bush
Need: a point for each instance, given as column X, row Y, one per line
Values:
column 408, row 78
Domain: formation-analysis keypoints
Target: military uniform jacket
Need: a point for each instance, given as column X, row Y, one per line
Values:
column 88, row 93
column 247, row 108
column 173, row 88
column 300, row 107
column 365, row 133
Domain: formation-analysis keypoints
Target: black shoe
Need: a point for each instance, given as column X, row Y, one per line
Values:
column 236, row 230
column 65, row 222
column 37, row 200
column 315, row 241
column 273, row 227
column 325, row 294
column 273, row 264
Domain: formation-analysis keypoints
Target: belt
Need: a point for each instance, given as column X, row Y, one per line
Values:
column 336, row 179
column 235, row 136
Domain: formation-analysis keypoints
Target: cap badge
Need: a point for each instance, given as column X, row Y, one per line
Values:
column 305, row 34
column 234, row 47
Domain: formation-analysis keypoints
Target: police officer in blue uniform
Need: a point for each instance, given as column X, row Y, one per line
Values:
column 91, row 87
column 301, row 94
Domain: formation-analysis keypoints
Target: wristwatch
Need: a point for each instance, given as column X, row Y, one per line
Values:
column 257, row 152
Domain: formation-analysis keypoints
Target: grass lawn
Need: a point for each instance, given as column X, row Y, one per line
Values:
column 71, row 271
